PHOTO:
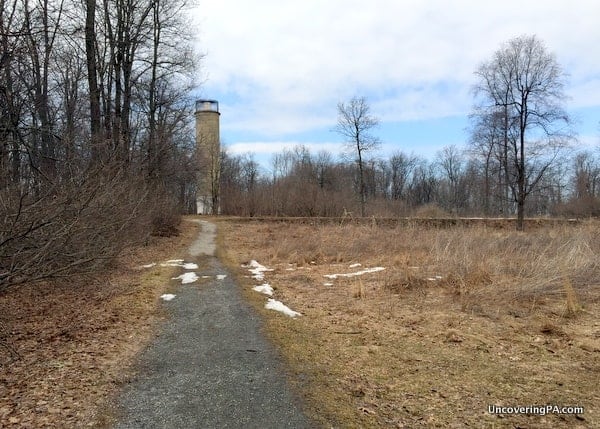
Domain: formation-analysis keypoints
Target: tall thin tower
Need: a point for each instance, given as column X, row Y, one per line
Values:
column 209, row 156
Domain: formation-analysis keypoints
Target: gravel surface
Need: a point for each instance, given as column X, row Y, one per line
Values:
column 210, row 366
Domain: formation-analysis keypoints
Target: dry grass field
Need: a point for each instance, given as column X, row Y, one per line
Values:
column 460, row 318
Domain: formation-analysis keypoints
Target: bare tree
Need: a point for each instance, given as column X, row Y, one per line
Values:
column 452, row 165
column 423, row 185
column 356, row 124
column 587, row 175
column 523, row 83
column 92, row 77
column 401, row 166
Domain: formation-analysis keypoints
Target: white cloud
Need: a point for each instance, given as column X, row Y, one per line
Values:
column 584, row 93
column 258, row 147
column 282, row 65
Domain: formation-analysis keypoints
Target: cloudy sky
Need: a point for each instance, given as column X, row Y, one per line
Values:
column 279, row 67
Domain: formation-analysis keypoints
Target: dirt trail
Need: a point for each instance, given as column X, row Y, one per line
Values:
column 205, row 243
column 210, row 366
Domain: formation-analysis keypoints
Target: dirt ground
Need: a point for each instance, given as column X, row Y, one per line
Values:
column 69, row 346
column 378, row 351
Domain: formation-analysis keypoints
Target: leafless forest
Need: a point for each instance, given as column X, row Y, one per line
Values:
column 458, row 182
column 96, row 150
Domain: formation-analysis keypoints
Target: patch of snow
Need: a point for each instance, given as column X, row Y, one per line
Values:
column 257, row 269
column 149, row 265
column 221, row 276
column 357, row 273
column 264, row 288
column 206, row 277
column 290, row 269
column 273, row 304
column 435, row 278
column 327, row 284
column 187, row 278
column 355, row 265
column 167, row 296
column 414, row 268
column 180, row 263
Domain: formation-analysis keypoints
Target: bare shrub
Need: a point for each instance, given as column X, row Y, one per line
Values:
column 165, row 224
column 165, row 216
column 74, row 227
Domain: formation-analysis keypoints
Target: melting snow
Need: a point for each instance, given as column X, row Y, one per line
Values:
column 279, row 306
column 327, row 284
column 355, row 265
column 167, row 296
column 257, row 269
column 187, row 278
column 180, row 263
column 264, row 288
column 357, row 273
column 221, row 276
column 149, row 265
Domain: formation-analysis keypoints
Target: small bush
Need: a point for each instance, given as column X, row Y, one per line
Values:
column 166, row 224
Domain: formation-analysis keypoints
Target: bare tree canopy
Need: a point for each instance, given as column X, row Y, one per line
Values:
column 520, row 95
column 95, row 130
column 356, row 124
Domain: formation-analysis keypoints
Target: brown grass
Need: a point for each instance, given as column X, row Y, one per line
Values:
column 461, row 318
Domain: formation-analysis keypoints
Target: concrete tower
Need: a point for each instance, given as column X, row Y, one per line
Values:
column 209, row 156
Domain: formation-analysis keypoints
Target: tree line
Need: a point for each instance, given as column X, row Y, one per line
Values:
column 95, row 139
column 520, row 159
column 457, row 182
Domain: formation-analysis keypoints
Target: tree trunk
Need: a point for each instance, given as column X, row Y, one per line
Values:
column 94, row 93
column 154, row 166
column 520, row 214
column 521, row 170
column 361, row 179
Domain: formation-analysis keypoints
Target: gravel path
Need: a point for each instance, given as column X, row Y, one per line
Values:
column 210, row 367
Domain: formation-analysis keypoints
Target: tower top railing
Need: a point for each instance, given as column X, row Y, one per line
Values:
column 207, row 106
